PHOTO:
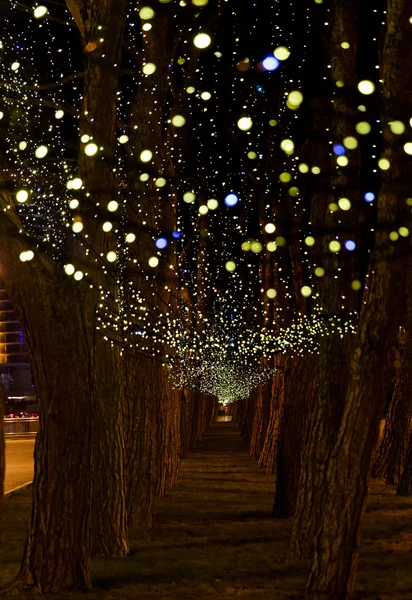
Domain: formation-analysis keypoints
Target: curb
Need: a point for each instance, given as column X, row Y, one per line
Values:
column 18, row 487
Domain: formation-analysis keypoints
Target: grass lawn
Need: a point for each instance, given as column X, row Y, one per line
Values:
column 213, row 538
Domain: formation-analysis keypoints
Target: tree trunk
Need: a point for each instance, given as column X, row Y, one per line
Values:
column 300, row 392
column 261, row 419
column 59, row 336
column 323, row 428
column 109, row 518
column 392, row 450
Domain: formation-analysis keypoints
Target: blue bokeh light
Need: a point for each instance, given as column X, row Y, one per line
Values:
column 161, row 243
column 270, row 63
column 339, row 150
column 350, row 245
column 369, row 197
column 177, row 235
column 231, row 200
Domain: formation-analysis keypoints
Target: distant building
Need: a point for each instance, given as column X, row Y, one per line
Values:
column 15, row 368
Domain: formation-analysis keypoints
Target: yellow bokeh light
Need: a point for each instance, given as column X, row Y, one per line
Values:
column 69, row 269
column 345, row 45
column 408, row 148
column 271, row 246
column 397, row 127
column 344, row 203
column 281, row 53
column 149, row 68
column 178, row 121
column 160, row 182
column 200, row 2
column 306, row 291
column 77, row 226
column 59, row 114
column 202, row 40
column 245, row 123
column 203, row 210
column 85, row 138
column 90, row 149
column 246, row 246
column 212, row 204
column 73, row 204
column 363, row 127
column 366, row 87
column 293, row 191
column 303, row 168
column 130, row 238
column 287, row 146
column 394, row 236
column 315, row 170
column 230, row 266
column 146, row 13
column 256, row 247
column 342, row 161
column 41, row 151
column 107, row 226
column 22, row 196
column 273, row 122
column 205, row 96
column 350, row 142
column 153, row 261
column 252, row 155
column 295, row 98
column 189, row 197
column 144, row 177
column 270, row 227
column 333, row 207
column 309, row 240
column 384, row 164
column 112, row 206
column 356, row 285
column 78, row 276
column 22, row 145
column 123, row 139
column 111, row 256
column 403, row 231
column 334, row 246
column 190, row 89
column 146, row 155
column 319, row 271
column 40, row 11
column 285, row 177
column 271, row 293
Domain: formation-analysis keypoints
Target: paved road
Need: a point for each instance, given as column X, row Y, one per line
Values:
column 19, row 462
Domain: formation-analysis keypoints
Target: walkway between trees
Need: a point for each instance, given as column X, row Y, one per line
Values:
column 213, row 538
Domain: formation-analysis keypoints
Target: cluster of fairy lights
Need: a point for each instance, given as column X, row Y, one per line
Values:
column 220, row 238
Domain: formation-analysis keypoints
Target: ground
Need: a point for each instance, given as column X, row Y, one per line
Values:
column 19, row 462
column 213, row 538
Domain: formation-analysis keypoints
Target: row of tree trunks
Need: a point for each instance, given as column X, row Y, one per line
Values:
column 336, row 543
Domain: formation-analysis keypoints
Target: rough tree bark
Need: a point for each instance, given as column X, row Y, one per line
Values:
column 300, row 390
column 391, row 453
